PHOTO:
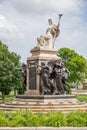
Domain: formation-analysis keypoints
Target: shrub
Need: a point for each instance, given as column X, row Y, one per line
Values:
column 3, row 121
column 77, row 118
column 56, row 119
column 18, row 121
column 35, row 119
column 10, row 115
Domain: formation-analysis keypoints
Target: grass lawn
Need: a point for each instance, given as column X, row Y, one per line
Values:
column 82, row 98
column 9, row 97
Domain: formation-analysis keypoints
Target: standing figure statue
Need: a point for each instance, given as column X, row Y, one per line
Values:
column 47, row 87
column 65, row 76
column 24, row 77
column 48, row 40
column 57, row 77
column 23, row 71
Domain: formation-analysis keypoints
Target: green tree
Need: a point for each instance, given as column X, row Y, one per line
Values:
column 16, row 75
column 8, row 77
column 76, row 64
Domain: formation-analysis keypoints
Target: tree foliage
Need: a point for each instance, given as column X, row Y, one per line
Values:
column 8, row 76
column 76, row 64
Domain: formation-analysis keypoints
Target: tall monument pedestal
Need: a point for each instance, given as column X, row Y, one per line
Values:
column 38, row 56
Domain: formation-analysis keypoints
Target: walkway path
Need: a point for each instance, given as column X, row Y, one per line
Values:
column 43, row 128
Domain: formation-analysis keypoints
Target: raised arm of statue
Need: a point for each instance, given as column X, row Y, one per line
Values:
column 52, row 32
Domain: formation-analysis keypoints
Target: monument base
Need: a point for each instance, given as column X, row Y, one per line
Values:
column 39, row 55
column 43, row 54
column 44, row 103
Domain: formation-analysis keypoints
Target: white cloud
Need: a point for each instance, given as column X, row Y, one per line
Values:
column 8, row 30
column 42, row 7
column 2, row 21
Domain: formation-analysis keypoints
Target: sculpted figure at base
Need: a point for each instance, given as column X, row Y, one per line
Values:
column 57, row 79
column 60, row 75
column 47, row 87
column 23, row 71
column 52, row 32
column 65, row 76
column 53, row 78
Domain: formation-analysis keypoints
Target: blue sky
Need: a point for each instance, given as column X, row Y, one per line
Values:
column 22, row 21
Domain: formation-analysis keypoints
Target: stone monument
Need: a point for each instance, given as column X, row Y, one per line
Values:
column 46, row 79
column 45, row 70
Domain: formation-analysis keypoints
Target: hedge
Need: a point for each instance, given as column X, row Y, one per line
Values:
column 54, row 119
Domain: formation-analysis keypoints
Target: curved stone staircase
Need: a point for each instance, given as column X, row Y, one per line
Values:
column 63, row 103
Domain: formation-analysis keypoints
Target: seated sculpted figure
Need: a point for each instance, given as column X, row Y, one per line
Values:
column 51, row 34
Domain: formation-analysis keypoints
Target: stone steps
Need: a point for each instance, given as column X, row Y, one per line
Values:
column 43, row 110
column 50, row 108
column 48, row 101
column 29, row 100
column 44, row 104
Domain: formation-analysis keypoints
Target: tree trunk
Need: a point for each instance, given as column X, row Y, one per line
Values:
column 14, row 92
column 3, row 95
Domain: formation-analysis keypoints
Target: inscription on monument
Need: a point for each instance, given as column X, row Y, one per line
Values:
column 32, row 75
column 32, row 78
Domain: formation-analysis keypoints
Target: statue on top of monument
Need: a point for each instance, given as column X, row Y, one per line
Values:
column 52, row 32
